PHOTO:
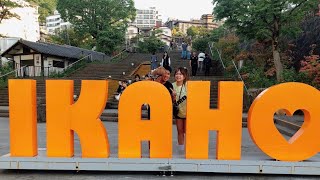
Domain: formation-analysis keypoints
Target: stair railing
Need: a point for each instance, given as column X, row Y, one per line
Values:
column 14, row 71
column 17, row 73
column 118, row 55
column 77, row 62
column 211, row 45
column 71, row 67
column 238, row 74
column 219, row 54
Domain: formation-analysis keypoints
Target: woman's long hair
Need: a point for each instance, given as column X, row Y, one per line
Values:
column 184, row 72
column 165, row 55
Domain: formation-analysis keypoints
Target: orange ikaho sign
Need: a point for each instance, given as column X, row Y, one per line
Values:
column 64, row 117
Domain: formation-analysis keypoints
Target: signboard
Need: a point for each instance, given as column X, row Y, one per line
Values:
column 65, row 117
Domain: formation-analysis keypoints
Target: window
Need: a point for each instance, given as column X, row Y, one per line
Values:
column 139, row 21
column 146, row 22
column 29, row 62
column 59, row 64
column 146, row 17
column 26, row 50
column 152, row 21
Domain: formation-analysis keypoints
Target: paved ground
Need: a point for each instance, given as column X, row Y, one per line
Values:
column 249, row 150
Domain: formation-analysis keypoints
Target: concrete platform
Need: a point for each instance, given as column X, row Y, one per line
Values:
column 253, row 160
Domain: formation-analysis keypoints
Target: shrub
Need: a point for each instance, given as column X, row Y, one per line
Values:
column 311, row 67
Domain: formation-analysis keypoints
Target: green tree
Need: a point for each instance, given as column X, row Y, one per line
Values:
column 46, row 8
column 263, row 19
column 104, row 20
column 177, row 33
column 110, row 39
column 150, row 44
column 203, row 32
column 216, row 34
column 197, row 32
column 5, row 7
column 200, row 44
column 193, row 31
column 72, row 38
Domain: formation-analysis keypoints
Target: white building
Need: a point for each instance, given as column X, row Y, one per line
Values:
column 6, row 43
column 132, row 31
column 147, row 18
column 165, row 35
column 26, row 27
column 42, row 59
column 54, row 23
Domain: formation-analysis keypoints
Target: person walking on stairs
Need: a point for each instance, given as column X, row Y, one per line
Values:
column 201, row 57
column 194, row 63
column 207, row 65
column 154, row 61
column 184, row 47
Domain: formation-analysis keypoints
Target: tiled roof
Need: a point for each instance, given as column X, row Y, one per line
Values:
column 61, row 50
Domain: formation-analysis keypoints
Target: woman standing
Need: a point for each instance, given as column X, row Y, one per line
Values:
column 166, row 62
column 180, row 98
column 154, row 60
column 194, row 63
column 189, row 49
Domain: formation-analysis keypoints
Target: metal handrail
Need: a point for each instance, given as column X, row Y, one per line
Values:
column 238, row 72
column 123, row 51
column 72, row 64
column 235, row 66
column 220, row 59
column 14, row 71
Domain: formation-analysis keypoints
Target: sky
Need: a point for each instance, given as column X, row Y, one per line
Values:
column 178, row 9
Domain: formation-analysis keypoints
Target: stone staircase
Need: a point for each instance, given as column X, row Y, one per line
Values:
column 121, row 69
column 175, row 63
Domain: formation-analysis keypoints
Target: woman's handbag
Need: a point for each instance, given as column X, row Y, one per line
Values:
column 175, row 107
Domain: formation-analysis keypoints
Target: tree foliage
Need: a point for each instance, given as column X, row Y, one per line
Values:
column 217, row 33
column 197, row 32
column 263, row 19
column 72, row 38
column 5, row 7
column 150, row 44
column 46, row 8
column 192, row 31
column 200, row 44
column 308, row 41
column 104, row 20
column 177, row 33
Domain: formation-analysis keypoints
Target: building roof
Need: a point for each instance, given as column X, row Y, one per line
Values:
column 65, row 51
column 193, row 22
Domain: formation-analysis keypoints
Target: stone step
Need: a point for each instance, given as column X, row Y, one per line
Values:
column 285, row 130
column 286, row 124
column 4, row 114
